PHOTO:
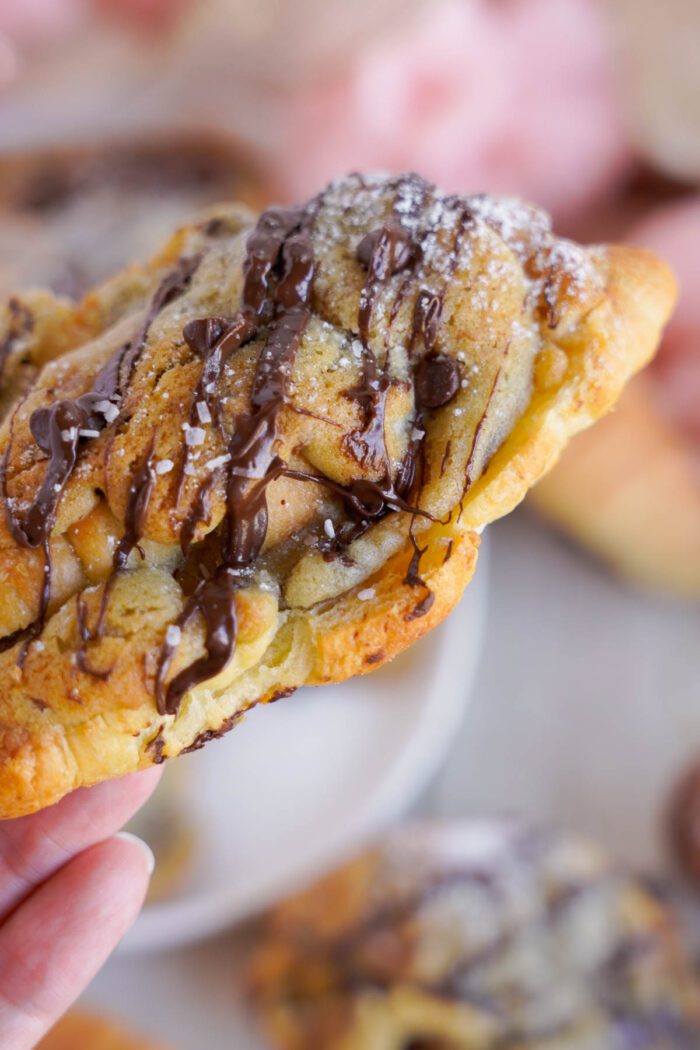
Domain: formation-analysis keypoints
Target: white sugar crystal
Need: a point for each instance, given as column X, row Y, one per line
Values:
column 461, row 355
column 344, row 362
column 417, row 434
column 194, row 435
column 70, row 434
column 164, row 466
column 203, row 412
column 458, row 412
column 189, row 470
column 84, row 433
column 173, row 635
column 329, row 529
column 57, row 487
column 367, row 594
column 464, row 384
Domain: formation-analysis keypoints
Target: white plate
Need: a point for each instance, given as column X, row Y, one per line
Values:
column 301, row 783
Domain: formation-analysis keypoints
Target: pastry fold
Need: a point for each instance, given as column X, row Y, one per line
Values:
column 263, row 459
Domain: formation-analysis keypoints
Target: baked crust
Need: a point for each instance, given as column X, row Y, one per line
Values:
column 629, row 491
column 386, row 370
column 467, row 934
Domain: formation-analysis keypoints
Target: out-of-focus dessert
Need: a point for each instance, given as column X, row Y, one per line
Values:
column 82, row 1031
column 263, row 460
column 630, row 489
column 684, row 824
column 72, row 216
column 167, row 825
column 476, row 934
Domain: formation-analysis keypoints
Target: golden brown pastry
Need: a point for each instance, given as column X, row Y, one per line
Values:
column 81, row 1031
column 476, row 936
column 263, row 460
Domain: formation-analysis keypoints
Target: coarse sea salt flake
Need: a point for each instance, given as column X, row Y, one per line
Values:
column 173, row 634
column 107, row 409
column 329, row 529
column 86, row 433
column 218, row 461
column 194, row 436
column 367, row 594
column 164, row 466
column 203, row 412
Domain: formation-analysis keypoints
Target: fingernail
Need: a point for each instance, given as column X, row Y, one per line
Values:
column 127, row 836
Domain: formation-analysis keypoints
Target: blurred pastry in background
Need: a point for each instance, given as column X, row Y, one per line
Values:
column 630, row 489
column 83, row 1031
column 166, row 824
column 71, row 216
column 683, row 830
column 476, row 934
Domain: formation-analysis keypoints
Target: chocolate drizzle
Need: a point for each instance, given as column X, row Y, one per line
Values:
column 279, row 270
column 138, row 497
column 384, row 252
column 214, row 600
column 140, row 490
column 275, row 309
column 213, row 339
column 56, row 430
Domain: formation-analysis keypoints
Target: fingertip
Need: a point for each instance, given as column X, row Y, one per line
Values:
column 141, row 847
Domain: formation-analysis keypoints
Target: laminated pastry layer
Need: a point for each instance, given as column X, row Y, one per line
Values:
column 263, row 459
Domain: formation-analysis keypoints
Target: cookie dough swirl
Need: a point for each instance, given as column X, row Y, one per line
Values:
column 263, row 459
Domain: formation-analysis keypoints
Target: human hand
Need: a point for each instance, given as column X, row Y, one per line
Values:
column 70, row 887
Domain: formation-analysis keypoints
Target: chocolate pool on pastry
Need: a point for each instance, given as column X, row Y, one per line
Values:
column 476, row 936
column 262, row 460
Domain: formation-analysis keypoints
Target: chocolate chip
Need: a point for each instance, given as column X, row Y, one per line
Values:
column 437, row 381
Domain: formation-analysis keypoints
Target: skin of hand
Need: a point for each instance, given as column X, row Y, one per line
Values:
column 70, row 887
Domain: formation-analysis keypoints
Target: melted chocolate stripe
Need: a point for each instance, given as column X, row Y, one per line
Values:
column 214, row 600
column 213, row 339
column 279, row 270
column 56, row 430
column 140, row 489
column 436, row 381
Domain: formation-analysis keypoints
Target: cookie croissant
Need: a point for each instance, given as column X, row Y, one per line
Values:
column 263, row 460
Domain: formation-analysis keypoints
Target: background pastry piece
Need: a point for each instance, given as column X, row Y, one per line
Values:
column 475, row 934
column 81, row 1031
column 630, row 489
column 262, row 461
column 73, row 215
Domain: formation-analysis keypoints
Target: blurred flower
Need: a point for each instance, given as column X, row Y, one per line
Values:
column 507, row 96
column 674, row 233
